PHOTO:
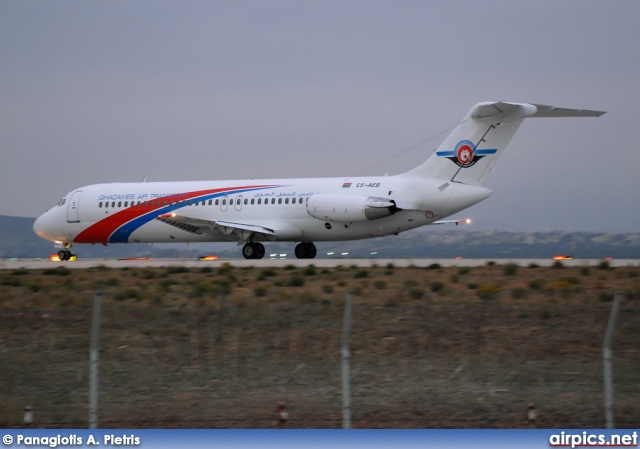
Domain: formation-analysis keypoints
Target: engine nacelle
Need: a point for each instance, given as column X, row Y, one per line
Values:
column 349, row 208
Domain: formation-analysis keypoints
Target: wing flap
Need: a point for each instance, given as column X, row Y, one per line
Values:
column 243, row 231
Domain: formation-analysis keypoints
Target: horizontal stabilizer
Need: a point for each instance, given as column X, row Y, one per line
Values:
column 552, row 111
column 455, row 222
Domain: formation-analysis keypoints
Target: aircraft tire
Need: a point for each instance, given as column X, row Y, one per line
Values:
column 249, row 251
column 312, row 251
column 64, row 254
column 301, row 251
column 260, row 251
column 306, row 250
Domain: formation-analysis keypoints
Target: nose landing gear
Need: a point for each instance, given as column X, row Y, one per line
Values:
column 64, row 254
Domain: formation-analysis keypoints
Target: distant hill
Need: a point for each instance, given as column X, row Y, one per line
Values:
column 17, row 239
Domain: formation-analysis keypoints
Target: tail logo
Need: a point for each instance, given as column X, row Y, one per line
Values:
column 466, row 155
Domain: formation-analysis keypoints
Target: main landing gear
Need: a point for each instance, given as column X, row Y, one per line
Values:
column 306, row 250
column 253, row 250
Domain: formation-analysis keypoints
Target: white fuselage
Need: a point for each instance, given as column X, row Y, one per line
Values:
column 128, row 212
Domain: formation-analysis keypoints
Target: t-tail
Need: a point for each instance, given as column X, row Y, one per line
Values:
column 472, row 149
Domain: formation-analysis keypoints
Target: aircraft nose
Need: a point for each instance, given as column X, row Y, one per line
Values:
column 39, row 227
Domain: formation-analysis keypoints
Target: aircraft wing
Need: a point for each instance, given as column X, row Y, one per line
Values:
column 199, row 225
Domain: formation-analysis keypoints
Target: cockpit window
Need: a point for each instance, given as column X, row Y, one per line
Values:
column 62, row 201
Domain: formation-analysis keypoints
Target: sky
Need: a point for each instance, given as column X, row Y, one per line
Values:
column 117, row 91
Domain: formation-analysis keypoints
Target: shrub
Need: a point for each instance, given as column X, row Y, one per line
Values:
column 58, row 271
column 295, row 281
column 310, row 270
column 176, row 270
column 510, row 269
column 584, row 271
column 20, row 272
column 416, row 293
column 604, row 265
column 327, row 288
column 379, row 284
column 259, row 290
column 463, row 270
column 557, row 265
column 536, row 284
column 437, row 286
column 606, row 296
column 128, row 293
column 488, row 291
column 491, row 263
column 519, row 293
column 361, row 274
column 534, row 265
column 10, row 282
column 434, row 266
column 472, row 285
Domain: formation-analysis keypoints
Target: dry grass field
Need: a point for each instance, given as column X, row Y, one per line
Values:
column 221, row 347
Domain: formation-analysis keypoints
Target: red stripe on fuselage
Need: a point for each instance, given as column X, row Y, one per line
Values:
column 100, row 231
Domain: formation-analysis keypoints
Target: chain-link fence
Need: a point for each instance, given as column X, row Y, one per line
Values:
column 430, row 363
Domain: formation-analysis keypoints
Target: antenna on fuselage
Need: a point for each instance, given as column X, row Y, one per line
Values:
column 144, row 179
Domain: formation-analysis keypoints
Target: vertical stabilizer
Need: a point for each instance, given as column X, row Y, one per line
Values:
column 471, row 150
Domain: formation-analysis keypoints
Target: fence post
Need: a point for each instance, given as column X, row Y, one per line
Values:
column 94, row 356
column 346, row 354
column 606, row 357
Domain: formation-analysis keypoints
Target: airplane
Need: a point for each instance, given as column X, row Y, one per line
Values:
column 303, row 210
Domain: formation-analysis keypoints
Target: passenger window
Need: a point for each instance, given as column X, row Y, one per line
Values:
column 286, row 201
column 224, row 202
column 210, row 202
column 259, row 200
column 217, row 202
column 113, row 204
column 279, row 200
column 246, row 201
column 253, row 201
column 100, row 204
column 273, row 201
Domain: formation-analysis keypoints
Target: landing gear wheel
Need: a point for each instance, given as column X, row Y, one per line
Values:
column 249, row 251
column 260, row 250
column 253, row 250
column 64, row 254
column 305, row 251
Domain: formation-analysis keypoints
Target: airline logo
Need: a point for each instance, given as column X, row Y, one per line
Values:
column 466, row 154
column 346, row 185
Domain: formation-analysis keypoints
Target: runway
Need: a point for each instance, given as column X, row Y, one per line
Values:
column 321, row 263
